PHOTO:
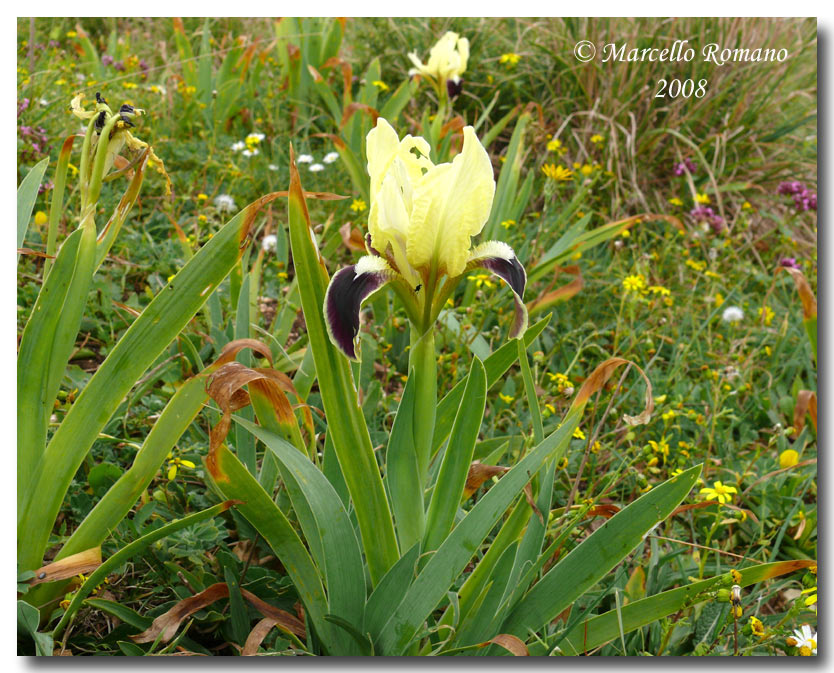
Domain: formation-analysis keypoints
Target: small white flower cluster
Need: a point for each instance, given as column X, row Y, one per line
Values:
column 315, row 167
column 224, row 203
column 732, row 314
column 269, row 243
column 249, row 146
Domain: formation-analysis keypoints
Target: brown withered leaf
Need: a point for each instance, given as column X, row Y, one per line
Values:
column 165, row 626
column 454, row 125
column 563, row 293
column 513, row 644
column 528, row 494
column 809, row 301
column 283, row 619
column 352, row 237
column 34, row 253
column 352, row 108
column 478, row 474
column 597, row 380
column 256, row 636
column 806, row 403
column 81, row 563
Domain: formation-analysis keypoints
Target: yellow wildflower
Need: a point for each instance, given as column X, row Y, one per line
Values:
column 482, row 279
column 768, row 314
column 578, row 434
column 506, row 398
column 634, row 283
column 358, row 206
column 508, row 223
column 509, row 59
column 675, row 201
column 555, row 172
column 720, row 492
column 556, row 146
column 41, row 218
column 597, row 139
column 702, row 198
column 788, row 458
column 379, row 84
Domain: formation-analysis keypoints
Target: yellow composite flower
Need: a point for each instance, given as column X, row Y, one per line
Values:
column 634, row 283
column 509, row 59
column 558, row 173
column 421, row 223
column 447, row 62
column 720, row 492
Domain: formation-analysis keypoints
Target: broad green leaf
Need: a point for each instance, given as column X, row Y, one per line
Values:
column 448, row 489
column 589, row 562
column 344, row 417
column 596, row 631
column 405, row 491
column 27, row 194
column 122, row 496
column 231, row 478
column 496, row 365
column 343, row 571
column 141, row 345
column 448, row 562
column 390, row 591
column 45, row 348
column 28, row 619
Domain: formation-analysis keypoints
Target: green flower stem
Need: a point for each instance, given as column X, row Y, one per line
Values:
column 94, row 190
column 85, row 162
column 57, row 202
column 423, row 362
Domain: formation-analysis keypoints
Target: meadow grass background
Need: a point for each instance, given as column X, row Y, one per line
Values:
column 725, row 392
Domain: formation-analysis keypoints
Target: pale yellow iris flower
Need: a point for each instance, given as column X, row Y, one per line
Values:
column 447, row 63
column 421, row 223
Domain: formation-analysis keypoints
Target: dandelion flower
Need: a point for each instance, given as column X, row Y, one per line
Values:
column 330, row 157
column 732, row 314
column 224, row 203
column 269, row 243
column 305, row 159
column 315, row 168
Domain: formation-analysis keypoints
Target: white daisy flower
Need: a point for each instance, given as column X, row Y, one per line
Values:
column 269, row 243
column 43, row 101
column 315, row 168
column 238, row 146
column 732, row 314
column 255, row 137
column 272, row 167
column 305, row 159
column 806, row 640
column 330, row 157
column 250, row 153
column 224, row 202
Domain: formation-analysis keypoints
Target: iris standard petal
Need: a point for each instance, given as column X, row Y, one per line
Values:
column 348, row 288
column 500, row 259
column 450, row 205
